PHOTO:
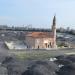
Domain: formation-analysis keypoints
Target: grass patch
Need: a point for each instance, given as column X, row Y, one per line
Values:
column 34, row 55
column 39, row 54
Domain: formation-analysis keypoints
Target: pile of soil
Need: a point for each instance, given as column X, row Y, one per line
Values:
column 13, row 66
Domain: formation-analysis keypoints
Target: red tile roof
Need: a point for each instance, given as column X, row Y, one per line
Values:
column 40, row 34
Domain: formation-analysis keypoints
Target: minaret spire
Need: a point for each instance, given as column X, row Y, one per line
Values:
column 54, row 31
column 54, row 23
column 54, row 20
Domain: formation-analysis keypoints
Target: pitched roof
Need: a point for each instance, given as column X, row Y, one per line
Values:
column 40, row 34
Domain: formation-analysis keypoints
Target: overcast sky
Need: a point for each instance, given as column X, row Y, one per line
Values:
column 39, row 13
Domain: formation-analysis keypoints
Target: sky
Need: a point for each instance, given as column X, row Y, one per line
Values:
column 38, row 13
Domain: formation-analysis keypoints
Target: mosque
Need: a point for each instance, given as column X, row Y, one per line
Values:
column 42, row 40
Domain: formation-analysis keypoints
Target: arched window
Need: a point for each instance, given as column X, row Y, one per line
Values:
column 46, row 45
column 50, row 43
column 38, row 46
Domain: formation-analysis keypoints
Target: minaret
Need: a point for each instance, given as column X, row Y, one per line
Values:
column 54, row 31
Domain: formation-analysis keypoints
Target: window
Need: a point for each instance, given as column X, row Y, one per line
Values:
column 50, row 43
column 38, row 47
column 46, row 45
